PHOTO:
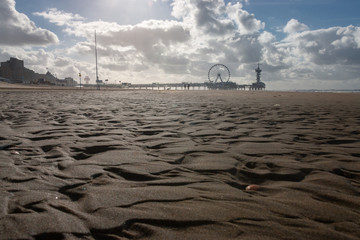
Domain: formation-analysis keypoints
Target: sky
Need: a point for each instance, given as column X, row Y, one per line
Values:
column 300, row 44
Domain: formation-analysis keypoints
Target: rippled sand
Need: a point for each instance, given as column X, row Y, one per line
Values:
column 175, row 165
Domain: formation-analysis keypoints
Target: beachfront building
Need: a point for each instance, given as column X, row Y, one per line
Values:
column 70, row 82
column 15, row 72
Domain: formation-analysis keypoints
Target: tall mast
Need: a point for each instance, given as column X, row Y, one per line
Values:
column 97, row 76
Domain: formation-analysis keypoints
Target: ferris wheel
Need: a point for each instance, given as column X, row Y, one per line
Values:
column 219, row 73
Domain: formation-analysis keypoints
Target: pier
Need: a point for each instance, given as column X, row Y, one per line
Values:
column 172, row 86
column 218, row 79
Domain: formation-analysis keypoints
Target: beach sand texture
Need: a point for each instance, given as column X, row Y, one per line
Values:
column 175, row 165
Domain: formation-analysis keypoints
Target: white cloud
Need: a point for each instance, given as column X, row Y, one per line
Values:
column 213, row 17
column 294, row 26
column 60, row 18
column 336, row 45
column 153, row 39
column 246, row 22
column 266, row 37
column 323, row 58
column 17, row 29
column 204, row 16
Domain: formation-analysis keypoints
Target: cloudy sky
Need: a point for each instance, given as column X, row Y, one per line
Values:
column 301, row 44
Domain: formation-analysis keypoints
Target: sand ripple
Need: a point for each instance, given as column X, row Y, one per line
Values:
column 175, row 165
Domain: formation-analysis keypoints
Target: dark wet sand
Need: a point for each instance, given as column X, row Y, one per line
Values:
column 175, row 165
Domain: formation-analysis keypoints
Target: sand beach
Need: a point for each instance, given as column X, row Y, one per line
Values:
column 80, row 164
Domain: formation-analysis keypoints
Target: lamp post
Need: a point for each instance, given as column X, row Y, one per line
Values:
column 80, row 79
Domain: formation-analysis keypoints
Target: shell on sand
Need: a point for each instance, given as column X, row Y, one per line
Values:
column 252, row 187
column 15, row 152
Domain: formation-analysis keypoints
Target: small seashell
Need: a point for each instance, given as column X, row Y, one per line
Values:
column 15, row 152
column 252, row 187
